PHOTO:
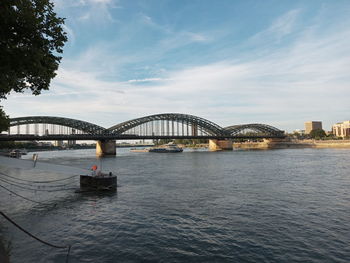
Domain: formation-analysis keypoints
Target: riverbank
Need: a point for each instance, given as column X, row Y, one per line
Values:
column 282, row 144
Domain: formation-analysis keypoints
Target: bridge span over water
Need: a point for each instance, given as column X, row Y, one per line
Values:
column 158, row 126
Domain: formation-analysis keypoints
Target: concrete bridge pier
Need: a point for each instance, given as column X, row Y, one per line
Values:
column 220, row 145
column 106, row 148
column 274, row 142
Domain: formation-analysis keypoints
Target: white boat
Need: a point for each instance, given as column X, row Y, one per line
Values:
column 15, row 154
column 168, row 148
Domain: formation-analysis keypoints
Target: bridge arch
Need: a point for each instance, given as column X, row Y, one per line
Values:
column 263, row 129
column 209, row 127
column 84, row 126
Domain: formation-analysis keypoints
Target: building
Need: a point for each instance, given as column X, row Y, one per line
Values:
column 312, row 125
column 341, row 129
column 298, row 131
column 58, row 143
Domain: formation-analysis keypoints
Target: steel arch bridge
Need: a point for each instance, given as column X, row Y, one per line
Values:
column 262, row 129
column 158, row 126
column 208, row 127
column 86, row 127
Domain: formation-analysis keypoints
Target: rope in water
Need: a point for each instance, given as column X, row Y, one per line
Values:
column 38, row 182
column 68, row 247
column 36, row 189
column 8, row 179
column 25, row 198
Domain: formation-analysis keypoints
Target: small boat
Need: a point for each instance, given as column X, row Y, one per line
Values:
column 168, row 148
column 15, row 154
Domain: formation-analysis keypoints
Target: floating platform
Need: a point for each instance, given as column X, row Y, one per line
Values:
column 102, row 182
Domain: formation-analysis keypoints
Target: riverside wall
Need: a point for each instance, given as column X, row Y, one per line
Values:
column 284, row 144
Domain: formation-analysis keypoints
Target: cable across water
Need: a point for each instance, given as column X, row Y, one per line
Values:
column 68, row 247
column 34, row 189
column 38, row 182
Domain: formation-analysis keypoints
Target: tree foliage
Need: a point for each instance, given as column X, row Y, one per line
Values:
column 4, row 120
column 31, row 39
column 317, row 134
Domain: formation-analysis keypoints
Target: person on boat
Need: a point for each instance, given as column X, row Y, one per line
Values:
column 93, row 170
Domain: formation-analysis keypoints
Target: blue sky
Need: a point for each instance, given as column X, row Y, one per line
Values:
column 232, row 62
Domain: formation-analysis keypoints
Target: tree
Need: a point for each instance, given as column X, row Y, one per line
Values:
column 4, row 120
column 317, row 134
column 31, row 39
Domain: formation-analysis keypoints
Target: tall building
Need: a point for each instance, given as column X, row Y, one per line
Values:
column 312, row 125
column 341, row 129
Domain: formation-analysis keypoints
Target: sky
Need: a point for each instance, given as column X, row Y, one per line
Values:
column 277, row 62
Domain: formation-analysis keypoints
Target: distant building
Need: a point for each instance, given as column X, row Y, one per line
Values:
column 301, row 132
column 341, row 129
column 312, row 125
column 58, row 143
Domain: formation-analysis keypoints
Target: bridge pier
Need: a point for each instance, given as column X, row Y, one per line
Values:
column 106, row 148
column 273, row 142
column 220, row 145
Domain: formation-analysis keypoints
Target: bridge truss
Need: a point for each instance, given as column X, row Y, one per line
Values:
column 254, row 129
column 167, row 125
column 44, row 125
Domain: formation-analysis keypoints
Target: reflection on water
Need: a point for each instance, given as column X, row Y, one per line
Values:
column 197, row 206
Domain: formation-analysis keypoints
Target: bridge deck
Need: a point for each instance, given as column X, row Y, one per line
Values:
column 87, row 137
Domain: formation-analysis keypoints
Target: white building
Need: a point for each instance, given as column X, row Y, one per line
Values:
column 341, row 129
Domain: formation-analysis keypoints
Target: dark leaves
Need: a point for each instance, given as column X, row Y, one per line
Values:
column 31, row 39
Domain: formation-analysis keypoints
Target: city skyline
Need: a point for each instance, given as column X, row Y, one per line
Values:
column 231, row 62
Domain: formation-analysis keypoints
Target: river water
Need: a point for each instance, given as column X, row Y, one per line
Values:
column 289, row 205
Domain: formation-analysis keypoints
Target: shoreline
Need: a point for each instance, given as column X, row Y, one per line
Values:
column 266, row 144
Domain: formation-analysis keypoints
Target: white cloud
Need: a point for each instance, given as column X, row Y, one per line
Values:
column 174, row 39
column 85, row 16
column 94, row 11
column 280, row 27
column 284, row 25
column 105, row 2
column 144, row 80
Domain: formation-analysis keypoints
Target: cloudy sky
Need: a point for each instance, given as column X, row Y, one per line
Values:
column 275, row 61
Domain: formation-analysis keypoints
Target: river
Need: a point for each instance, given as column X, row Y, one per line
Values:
column 290, row 205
